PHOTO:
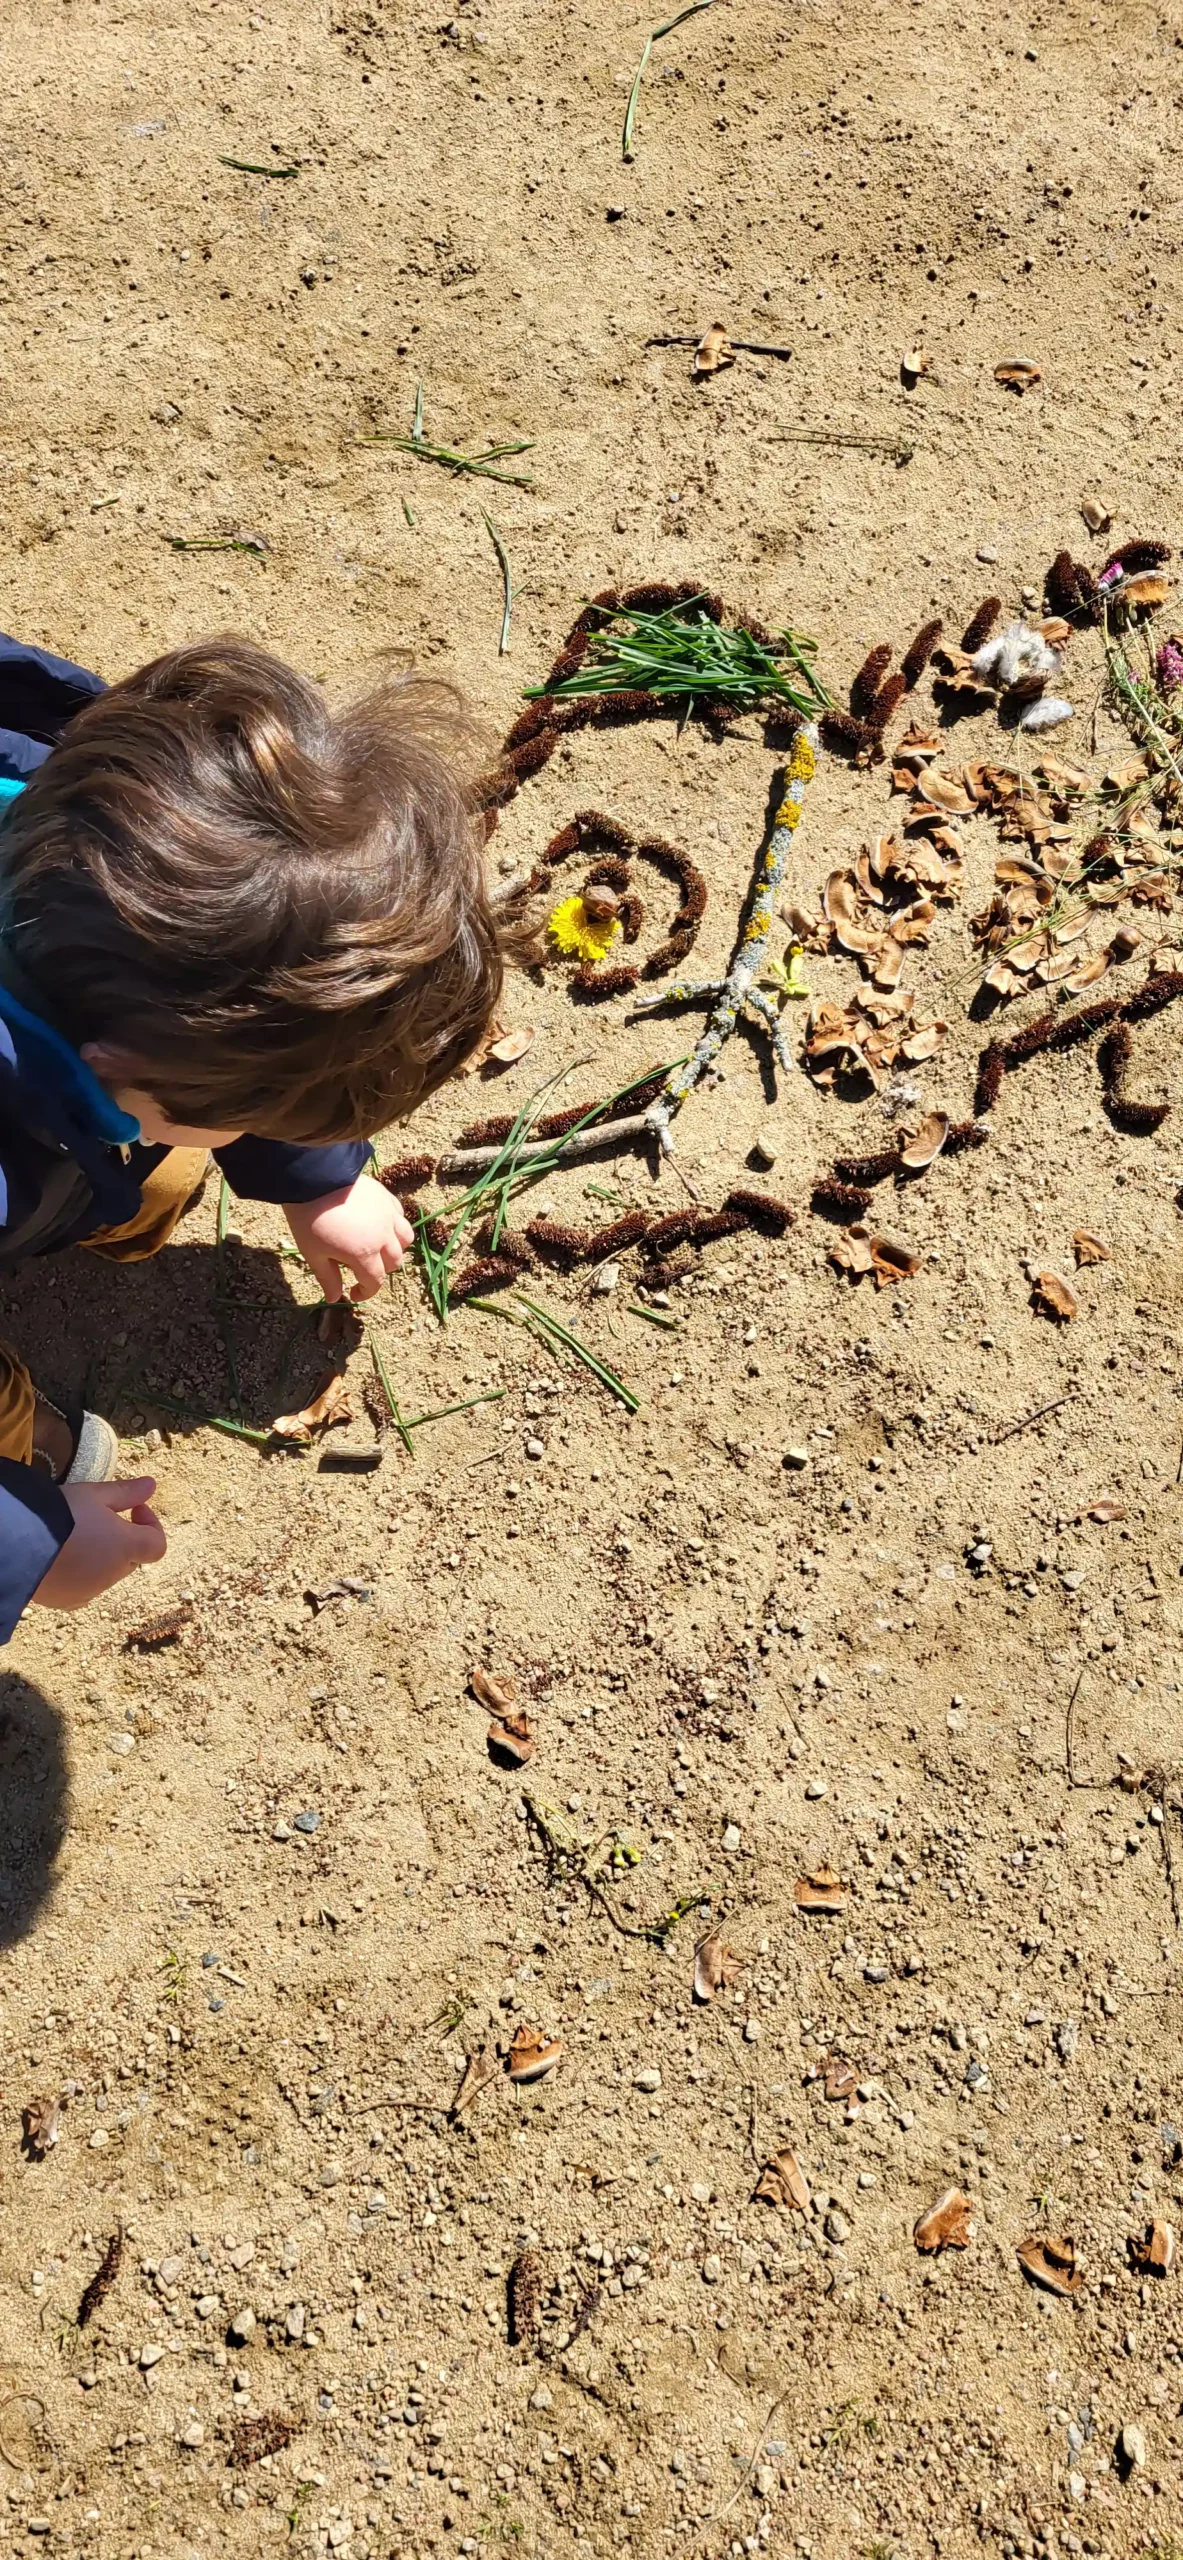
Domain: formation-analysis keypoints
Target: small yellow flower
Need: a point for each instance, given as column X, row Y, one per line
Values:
column 580, row 936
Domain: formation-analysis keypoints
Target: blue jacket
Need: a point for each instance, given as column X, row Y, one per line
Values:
column 69, row 1161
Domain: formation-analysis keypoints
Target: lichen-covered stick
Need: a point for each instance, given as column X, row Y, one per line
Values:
column 739, row 987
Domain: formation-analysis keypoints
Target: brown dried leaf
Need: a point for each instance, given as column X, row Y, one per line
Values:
column 1122, row 777
column 949, row 795
column 716, row 1966
column 479, row 2073
column 42, row 2122
column 531, row 2056
column 713, row 351
column 1106, row 1508
column 948, row 2224
column 822, row 1891
column 1017, row 373
column 1088, row 972
column 893, row 1261
column 841, row 2080
column 1089, row 1247
column 782, row 2180
column 923, row 1043
column 1055, row 1296
column 511, row 1046
column 852, row 1250
column 887, row 966
column 1001, row 979
column 917, row 743
column 329, row 1405
column 492, row 1690
column 1152, row 2252
column 1051, row 2262
column 1096, row 516
column 926, row 1142
column 512, row 1738
column 1150, row 588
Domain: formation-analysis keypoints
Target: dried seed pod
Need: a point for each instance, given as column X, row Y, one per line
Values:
column 676, row 1229
column 1030, row 1043
column 409, row 1174
column 711, row 1224
column 622, row 1235
column 991, row 1070
column 1060, row 588
column 1113, row 1056
column 666, row 1275
column 632, row 914
column 524, row 2297
column 592, row 980
column 1135, row 1119
column 862, row 1170
column 916, row 656
column 252, row 2438
column 773, row 1217
column 564, row 1245
column 1072, row 1028
column 890, row 693
column 1160, row 989
column 102, row 2280
column 981, row 624
column 1089, row 602
column 613, row 872
column 865, row 685
column 493, row 1271
column 536, row 752
column 963, row 1134
column 1137, row 555
column 841, row 1199
column 843, row 734
column 510, row 1248
column 561, row 845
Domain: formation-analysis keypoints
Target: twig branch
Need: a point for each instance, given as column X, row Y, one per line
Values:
column 583, row 1142
column 1028, row 1419
column 508, row 589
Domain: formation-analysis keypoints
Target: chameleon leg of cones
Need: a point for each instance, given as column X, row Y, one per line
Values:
column 739, row 988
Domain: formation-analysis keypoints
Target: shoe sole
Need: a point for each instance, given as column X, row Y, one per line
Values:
column 97, row 1454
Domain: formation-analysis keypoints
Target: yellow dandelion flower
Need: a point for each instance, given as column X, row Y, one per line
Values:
column 580, row 936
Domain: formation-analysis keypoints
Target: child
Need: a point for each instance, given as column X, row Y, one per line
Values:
column 229, row 920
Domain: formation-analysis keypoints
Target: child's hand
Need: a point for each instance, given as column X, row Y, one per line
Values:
column 102, row 1546
column 362, row 1227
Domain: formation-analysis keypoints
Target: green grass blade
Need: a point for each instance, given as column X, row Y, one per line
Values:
column 403, row 1428
column 416, row 1421
column 666, row 29
column 582, row 1351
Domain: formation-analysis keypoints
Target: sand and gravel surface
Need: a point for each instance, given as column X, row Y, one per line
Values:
column 262, row 1890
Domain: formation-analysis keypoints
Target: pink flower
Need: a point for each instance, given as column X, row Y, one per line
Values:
column 1168, row 665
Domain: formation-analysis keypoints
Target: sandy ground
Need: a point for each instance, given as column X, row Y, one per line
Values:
column 741, row 1667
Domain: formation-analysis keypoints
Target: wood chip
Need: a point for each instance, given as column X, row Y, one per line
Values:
column 1017, row 373
column 821, row 1891
column 1152, row 2252
column 1055, row 1296
column 926, row 1142
column 716, row 1966
column 42, row 2122
column 948, row 2224
column 852, row 1251
column 891, row 1261
column 1051, row 2262
column 524, row 2296
column 493, row 1690
column 782, row 2181
column 511, row 1046
column 713, row 351
column 327, row 1407
column 479, row 2073
column 1088, row 1247
column 531, row 2056
column 511, row 1738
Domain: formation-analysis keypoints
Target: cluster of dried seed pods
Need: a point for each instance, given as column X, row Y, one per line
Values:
column 608, row 894
column 566, row 1247
column 875, row 695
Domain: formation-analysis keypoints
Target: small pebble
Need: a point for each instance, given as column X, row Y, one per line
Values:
column 815, row 1788
column 536, row 1448
column 765, row 1150
column 606, row 1280
column 712, row 2269
column 986, row 552
column 752, row 2031
column 648, row 2080
column 732, row 1836
column 1132, row 2446
column 150, row 2356
column 242, row 2326
column 193, row 2434
column 281, row 1831
column 543, row 2398
column 874, row 1973
column 796, row 1458
column 837, row 2227
column 121, row 1744
column 307, row 1823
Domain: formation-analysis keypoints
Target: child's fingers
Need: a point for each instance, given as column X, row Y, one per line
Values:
column 145, row 1537
column 329, row 1276
column 123, row 1493
column 371, row 1272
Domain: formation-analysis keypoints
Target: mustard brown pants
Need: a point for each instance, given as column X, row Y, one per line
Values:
column 167, row 1189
